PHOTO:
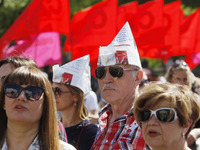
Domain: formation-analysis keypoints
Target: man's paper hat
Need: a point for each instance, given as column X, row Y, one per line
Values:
column 75, row 73
column 122, row 50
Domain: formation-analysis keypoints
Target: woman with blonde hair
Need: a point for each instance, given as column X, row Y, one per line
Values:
column 28, row 112
column 166, row 114
column 71, row 83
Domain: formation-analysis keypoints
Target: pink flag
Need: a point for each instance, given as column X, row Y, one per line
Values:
column 44, row 49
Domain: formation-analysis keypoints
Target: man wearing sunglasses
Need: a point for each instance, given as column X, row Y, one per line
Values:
column 119, row 74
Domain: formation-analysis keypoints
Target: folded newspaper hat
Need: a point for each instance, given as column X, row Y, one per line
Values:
column 75, row 73
column 122, row 50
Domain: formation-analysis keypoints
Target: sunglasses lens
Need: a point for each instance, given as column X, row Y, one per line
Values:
column 145, row 115
column 100, row 72
column 165, row 115
column 33, row 92
column 12, row 90
column 116, row 71
column 57, row 91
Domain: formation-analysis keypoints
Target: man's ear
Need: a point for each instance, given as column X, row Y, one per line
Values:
column 187, row 127
column 139, row 76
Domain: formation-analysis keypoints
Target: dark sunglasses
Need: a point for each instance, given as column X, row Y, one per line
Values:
column 2, row 78
column 163, row 115
column 115, row 71
column 175, row 65
column 143, row 82
column 32, row 93
column 57, row 91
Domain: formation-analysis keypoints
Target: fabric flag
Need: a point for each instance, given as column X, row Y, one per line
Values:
column 39, row 16
column 189, row 30
column 150, row 24
column 44, row 49
column 173, row 16
column 197, row 44
column 93, row 26
column 172, row 21
column 127, row 12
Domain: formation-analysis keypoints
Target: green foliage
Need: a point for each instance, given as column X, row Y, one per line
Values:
column 9, row 11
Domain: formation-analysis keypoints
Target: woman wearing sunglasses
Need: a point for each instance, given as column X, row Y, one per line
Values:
column 28, row 113
column 166, row 113
column 9, row 64
column 71, row 83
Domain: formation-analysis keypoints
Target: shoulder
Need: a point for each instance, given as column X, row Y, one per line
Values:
column 67, row 146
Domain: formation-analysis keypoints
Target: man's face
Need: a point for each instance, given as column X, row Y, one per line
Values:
column 121, row 89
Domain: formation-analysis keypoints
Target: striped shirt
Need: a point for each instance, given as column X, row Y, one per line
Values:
column 123, row 134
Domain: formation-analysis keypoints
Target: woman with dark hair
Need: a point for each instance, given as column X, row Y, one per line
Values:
column 7, row 65
column 27, row 112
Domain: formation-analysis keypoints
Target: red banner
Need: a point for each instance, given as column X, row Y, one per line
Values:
column 93, row 26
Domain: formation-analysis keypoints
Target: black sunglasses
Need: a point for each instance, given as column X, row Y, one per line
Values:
column 143, row 82
column 57, row 91
column 2, row 78
column 32, row 93
column 163, row 115
column 115, row 71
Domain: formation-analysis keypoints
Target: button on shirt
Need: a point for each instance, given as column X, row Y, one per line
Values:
column 123, row 134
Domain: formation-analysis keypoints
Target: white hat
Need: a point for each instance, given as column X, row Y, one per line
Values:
column 75, row 73
column 122, row 50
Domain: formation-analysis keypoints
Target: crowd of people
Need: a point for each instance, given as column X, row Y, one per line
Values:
column 127, row 111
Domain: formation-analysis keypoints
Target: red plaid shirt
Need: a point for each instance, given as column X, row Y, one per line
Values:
column 123, row 134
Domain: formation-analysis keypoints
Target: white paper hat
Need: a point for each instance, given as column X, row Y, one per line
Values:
column 122, row 50
column 75, row 73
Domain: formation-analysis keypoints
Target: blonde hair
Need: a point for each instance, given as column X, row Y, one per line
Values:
column 180, row 67
column 81, row 110
column 177, row 96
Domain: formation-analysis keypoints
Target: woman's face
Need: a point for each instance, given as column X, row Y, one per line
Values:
column 65, row 100
column 159, row 135
column 22, row 110
column 180, row 77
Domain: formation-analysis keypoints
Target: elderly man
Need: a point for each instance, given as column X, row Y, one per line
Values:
column 119, row 74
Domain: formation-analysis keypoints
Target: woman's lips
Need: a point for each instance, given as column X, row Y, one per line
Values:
column 20, row 107
column 152, row 133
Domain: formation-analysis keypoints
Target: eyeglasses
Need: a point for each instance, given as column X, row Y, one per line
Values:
column 163, row 115
column 143, row 82
column 115, row 71
column 32, row 93
column 2, row 78
column 57, row 91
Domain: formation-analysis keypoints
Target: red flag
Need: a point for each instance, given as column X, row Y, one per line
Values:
column 189, row 30
column 197, row 44
column 150, row 24
column 172, row 22
column 39, row 16
column 173, row 16
column 127, row 12
column 94, row 26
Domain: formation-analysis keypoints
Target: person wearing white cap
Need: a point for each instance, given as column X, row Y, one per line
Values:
column 119, row 73
column 71, row 82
